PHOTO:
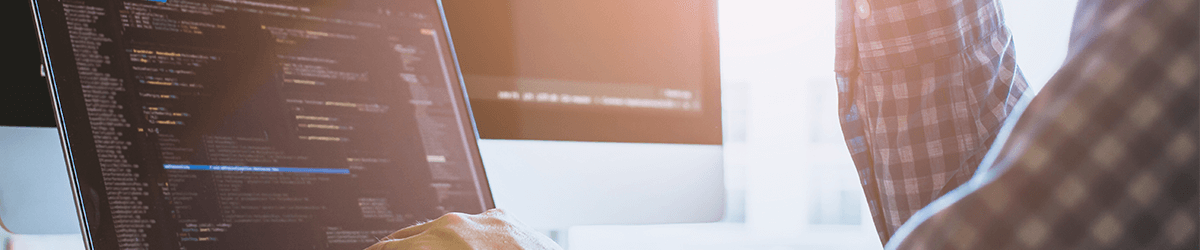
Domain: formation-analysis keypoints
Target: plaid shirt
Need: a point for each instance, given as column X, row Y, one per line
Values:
column 923, row 86
column 1105, row 157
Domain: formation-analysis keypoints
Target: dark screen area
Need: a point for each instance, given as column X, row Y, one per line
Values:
column 24, row 95
column 260, row 124
column 578, row 70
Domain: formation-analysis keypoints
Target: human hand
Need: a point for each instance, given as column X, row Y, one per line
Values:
column 492, row 229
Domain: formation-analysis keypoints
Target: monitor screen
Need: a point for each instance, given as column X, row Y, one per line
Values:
column 581, row 70
column 259, row 124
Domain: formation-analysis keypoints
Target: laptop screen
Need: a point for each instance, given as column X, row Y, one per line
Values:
column 259, row 124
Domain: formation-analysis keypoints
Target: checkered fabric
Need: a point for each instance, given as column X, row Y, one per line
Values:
column 923, row 87
column 1105, row 157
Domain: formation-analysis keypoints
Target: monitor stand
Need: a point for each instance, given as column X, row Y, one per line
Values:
column 552, row 185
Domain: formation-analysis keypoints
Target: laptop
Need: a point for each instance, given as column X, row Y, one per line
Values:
column 258, row 124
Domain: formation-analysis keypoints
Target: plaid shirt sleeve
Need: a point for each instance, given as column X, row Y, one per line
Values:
column 1105, row 157
column 923, row 86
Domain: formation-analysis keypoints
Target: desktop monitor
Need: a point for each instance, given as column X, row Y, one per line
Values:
column 258, row 124
column 596, row 112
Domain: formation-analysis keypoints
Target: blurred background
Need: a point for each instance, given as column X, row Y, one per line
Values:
column 791, row 184
column 790, row 180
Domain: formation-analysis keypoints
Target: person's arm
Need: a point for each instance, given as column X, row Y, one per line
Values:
column 923, row 87
column 489, row 230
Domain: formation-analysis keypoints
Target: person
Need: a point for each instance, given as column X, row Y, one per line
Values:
column 1103, row 158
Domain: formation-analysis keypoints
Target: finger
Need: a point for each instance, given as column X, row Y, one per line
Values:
column 384, row 245
column 409, row 231
column 495, row 212
column 407, row 243
column 423, row 241
column 419, row 228
column 500, row 214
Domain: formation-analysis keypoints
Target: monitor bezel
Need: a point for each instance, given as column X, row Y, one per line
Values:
column 72, row 122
